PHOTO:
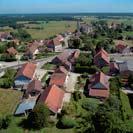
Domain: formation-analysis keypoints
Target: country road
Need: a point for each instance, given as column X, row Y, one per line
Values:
column 40, row 62
column 16, row 64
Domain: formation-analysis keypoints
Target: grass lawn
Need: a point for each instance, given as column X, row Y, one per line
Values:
column 105, row 70
column 15, row 128
column 46, row 55
column 8, row 101
column 49, row 66
column 50, row 29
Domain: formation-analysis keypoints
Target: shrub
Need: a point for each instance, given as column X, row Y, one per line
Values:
column 87, row 69
column 38, row 118
column 66, row 123
column 90, row 104
column 5, row 122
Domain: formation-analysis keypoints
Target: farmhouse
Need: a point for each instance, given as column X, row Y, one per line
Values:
column 53, row 98
column 34, row 88
column 101, row 59
column 25, row 74
column 12, row 51
column 120, row 47
column 5, row 36
column 32, row 51
column 54, row 45
column 114, row 68
column 59, row 79
column 99, row 86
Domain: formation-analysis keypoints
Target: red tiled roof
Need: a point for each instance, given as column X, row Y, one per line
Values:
column 99, row 93
column 54, row 42
column 60, row 38
column 120, row 47
column 76, row 54
column 53, row 98
column 12, row 51
column 99, row 85
column 100, row 77
column 61, row 69
column 34, row 85
column 113, row 65
column 103, row 54
column 58, row 79
column 27, row 70
column 32, row 48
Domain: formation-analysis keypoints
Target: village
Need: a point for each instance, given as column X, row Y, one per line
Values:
column 55, row 73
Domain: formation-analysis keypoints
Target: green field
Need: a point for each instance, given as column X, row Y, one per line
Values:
column 50, row 29
column 8, row 101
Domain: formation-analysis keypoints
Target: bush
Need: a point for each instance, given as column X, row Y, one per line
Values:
column 87, row 69
column 7, row 80
column 7, row 58
column 5, row 122
column 66, row 123
column 38, row 118
column 90, row 104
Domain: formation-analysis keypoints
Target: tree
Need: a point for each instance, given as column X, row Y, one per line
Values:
column 90, row 104
column 5, row 121
column 84, row 60
column 22, row 34
column 75, row 43
column 38, row 118
column 66, row 123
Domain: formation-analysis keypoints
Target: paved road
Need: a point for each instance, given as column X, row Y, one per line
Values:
column 40, row 62
column 17, row 64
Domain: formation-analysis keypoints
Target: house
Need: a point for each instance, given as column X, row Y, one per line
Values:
column 101, row 59
column 63, row 59
column 120, row 48
column 25, row 106
column 114, row 69
column 126, row 68
column 25, row 74
column 74, row 56
column 60, row 38
column 12, row 51
column 54, row 45
column 32, row 51
column 84, row 28
column 61, row 69
column 53, row 96
column 99, row 86
column 5, row 36
column 59, row 79
column 34, row 88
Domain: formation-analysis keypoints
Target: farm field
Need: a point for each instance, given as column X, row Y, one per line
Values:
column 50, row 29
column 9, row 100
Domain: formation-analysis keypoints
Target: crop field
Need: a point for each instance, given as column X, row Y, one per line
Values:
column 45, row 30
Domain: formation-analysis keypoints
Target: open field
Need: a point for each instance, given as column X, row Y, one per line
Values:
column 50, row 29
column 8, row 101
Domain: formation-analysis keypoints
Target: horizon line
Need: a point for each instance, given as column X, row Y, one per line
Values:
column 69, row 13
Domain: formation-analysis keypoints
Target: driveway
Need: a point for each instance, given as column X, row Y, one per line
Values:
column 40, row 73
column 67, row 97
column 72, row 80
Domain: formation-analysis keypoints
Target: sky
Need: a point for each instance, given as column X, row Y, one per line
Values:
column 65, row 6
